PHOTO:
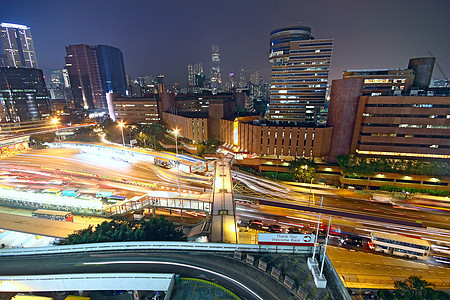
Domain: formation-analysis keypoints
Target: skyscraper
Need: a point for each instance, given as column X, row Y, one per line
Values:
column 300, row 66
column 23, row 95
column 216, row 77
column 17, row 47
column 60, row 85
column 112, row 69
column 193, row 70
column 242, row 78
column 94, row 71
column 84, row 74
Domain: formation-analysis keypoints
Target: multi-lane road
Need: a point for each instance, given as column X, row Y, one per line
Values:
column 287, row 205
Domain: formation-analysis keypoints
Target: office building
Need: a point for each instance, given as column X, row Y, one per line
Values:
column 59, row 86
column 393, row 126
column 133, row 110
column 379, row 82
column 17, row 46
column 300, row 67
column 112, row 69
column 94, row 71
column 413, row 126
column 160, row 84
column 84, row 73
column 216, row 76
column 23, row 95
column 194, row 71
column 242, row 78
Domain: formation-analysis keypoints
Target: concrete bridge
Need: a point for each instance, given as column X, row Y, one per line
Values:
column 249, row 271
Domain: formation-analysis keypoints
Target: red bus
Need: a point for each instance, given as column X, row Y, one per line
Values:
column 53, row 215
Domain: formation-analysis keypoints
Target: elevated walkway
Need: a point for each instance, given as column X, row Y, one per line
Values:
column 223, row 216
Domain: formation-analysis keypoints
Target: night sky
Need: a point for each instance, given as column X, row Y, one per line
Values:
column 166, row 36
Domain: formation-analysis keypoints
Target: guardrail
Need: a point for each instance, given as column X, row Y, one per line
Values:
column 157, row 246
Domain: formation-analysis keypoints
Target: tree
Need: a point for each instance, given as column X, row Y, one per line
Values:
column 413, row 288
column 156, row 229
column 209, row 146
column 303, row 169
column 38, row 139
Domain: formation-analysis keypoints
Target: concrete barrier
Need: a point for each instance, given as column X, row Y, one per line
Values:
column 157, row 246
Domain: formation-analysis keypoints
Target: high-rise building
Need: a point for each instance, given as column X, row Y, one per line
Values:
column 84, row 74
column 23, row 95
column 232, row 80
column 194, row 70
column 160, row 83
column 112, row 69
column 56, row 88
column 242, row 78
column 94, row 71
column 254, row 77
column 300, row 67
column 17, row 46
column 216, row 76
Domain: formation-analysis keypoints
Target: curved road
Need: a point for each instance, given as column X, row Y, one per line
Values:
column 242, row 279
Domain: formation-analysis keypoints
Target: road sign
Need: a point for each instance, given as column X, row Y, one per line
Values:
column 286, row 239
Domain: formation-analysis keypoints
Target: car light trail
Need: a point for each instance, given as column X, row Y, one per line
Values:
column 180, row 265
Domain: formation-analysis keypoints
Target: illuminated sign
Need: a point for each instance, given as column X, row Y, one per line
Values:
column 286, row 239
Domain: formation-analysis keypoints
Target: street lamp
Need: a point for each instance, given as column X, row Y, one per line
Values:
column 55, row 121
column 121, row 129
column 178, row 163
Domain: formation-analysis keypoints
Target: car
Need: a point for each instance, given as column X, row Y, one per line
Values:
column 275, row 228
column 352, row 240
column 255, row 223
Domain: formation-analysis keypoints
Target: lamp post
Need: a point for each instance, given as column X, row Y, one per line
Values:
column 55, row 121
column 121, row 130
column 178, row 162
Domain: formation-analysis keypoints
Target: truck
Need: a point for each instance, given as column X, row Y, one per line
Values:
column 71, row 193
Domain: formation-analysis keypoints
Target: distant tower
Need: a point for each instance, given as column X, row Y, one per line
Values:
column 160, row 82
column 254, row 77
column 232, row 81
column 17, row 46
column 242, row 79
column 216, row 77
column 193, row 71
column 300, row 67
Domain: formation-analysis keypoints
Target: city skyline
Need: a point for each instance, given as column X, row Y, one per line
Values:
column 153, row 43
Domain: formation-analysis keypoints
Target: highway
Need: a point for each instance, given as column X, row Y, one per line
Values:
column 222, row 269
column 285, row 204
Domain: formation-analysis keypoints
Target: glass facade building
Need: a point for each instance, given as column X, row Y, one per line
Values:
column 300, row 67
column 112, row 69
column 23, row 95
column 84, row 74
column 17, row 49
column 93, row 72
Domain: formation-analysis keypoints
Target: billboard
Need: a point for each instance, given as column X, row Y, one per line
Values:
column 286, row 239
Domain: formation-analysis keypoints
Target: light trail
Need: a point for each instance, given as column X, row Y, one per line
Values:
column 187, row 266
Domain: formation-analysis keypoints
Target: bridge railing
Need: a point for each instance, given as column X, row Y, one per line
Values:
column 157, row 246
column 166, row 203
